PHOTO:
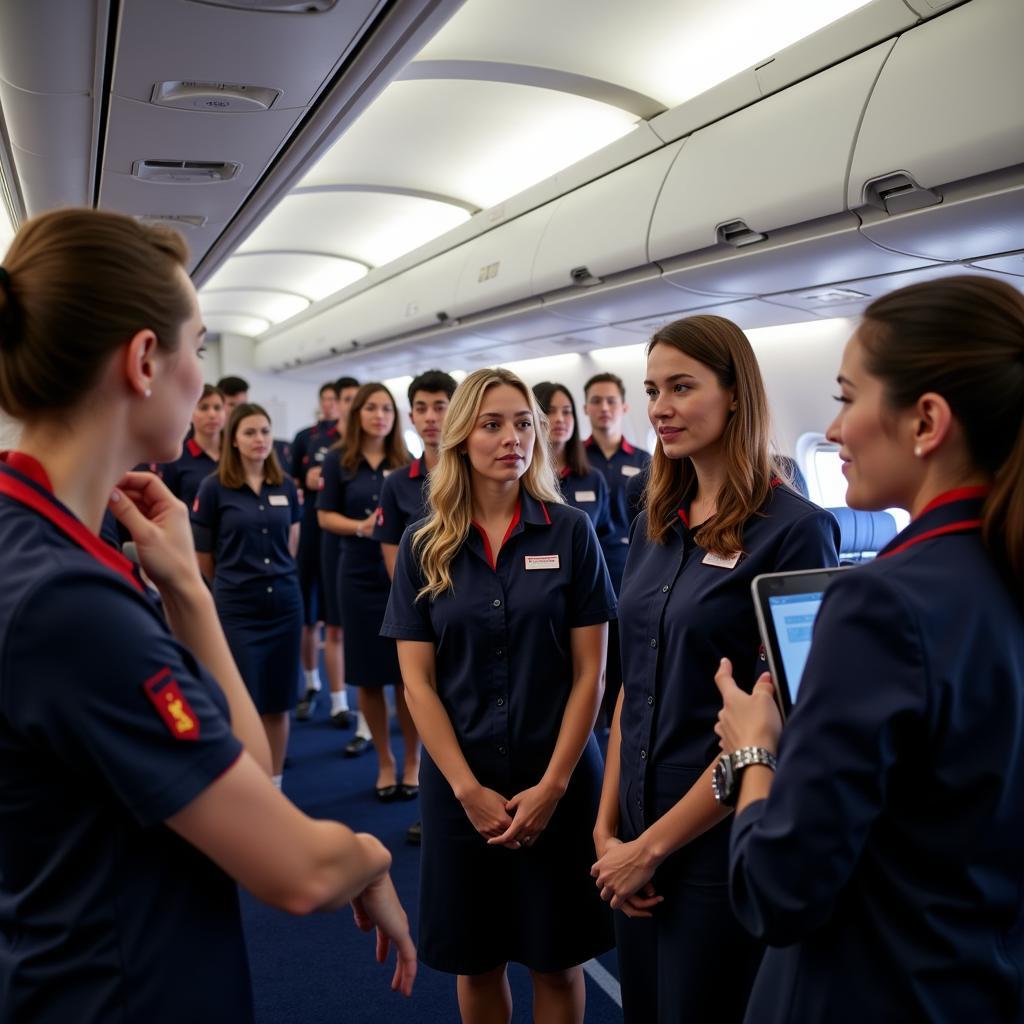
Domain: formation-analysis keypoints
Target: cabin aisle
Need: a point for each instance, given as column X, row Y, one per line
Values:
column 321, row 969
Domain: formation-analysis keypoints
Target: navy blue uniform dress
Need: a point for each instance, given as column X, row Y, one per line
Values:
column 503, row 653
column 255, row 584
column 588, row 492
column 680, row 611
column 308, row 452
column 887, row 863
column 186, row 473
column 362, row 580
column 403, row 500
column 108, row 726
column 626, row 463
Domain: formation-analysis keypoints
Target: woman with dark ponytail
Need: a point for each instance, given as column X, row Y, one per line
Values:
column 134, row 772
column 886, row 855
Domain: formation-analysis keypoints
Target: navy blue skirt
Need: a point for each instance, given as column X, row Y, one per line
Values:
column 370, row 659
column 263, row 626
column 482, row 906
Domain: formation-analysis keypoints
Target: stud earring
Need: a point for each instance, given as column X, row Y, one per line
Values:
column 918, row 451
column 148, row 393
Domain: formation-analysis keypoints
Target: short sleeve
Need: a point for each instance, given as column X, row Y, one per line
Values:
column 390, row 521
column 862, row 695
column 206, row 515
column 332, row 487
column 591, row 597
column 406, row 617
column 118, row 697
column 812, row 542
column 294, row 508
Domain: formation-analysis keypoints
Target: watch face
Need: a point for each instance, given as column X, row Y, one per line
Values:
column 723, row 782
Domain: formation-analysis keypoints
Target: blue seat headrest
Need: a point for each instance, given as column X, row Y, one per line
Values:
column 863, row 533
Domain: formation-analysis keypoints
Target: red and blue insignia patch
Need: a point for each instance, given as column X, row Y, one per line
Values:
column 177, row 714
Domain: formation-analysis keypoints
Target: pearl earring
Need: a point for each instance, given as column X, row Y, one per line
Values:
column 148, row 393
column 918, row 451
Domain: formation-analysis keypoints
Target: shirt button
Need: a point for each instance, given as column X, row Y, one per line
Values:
column 264, row 531
column 266, row 561
column 496, row 602
column 643, row 754
column 499, row 652
column 664, row 589
column 501, row 750
column 501, row 702
column 270, row 590
column 650, row 700
column 261, row 508
column 654, row 643
column 375, row 497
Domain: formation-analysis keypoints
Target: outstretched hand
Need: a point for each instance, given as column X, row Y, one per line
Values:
column 746, row 719
column 378, row 906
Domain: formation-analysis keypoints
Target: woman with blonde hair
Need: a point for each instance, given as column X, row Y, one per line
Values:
column 500, row 604
column 717, row 514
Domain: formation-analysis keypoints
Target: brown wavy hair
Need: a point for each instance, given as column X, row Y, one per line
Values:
column 351, row 444
column 722, row 347
column 963, row 338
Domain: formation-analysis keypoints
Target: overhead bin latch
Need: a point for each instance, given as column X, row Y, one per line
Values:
column 583, row 278
column 898, row 193
column 737, row 233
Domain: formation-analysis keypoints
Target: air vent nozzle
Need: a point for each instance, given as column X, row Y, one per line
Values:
column 274, row 6
column 185, row 172
column 180, row 220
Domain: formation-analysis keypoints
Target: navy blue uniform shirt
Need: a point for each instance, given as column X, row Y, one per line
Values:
column 246, row 532
column 309, row 451
column 502, row 635
column 589, row 493
column 403, row 500
column 889, row 856
column 624, row 464
column 680, row 613
column 108, row 726
column 355, row 496
column 186, row 473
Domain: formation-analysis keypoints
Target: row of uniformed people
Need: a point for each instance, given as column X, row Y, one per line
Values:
column 135, row 789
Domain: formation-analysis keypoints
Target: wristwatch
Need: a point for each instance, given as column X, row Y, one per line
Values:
column 726, row 778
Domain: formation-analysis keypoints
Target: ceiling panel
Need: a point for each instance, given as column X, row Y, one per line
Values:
column 274, row 306
column 669, row 50
column 373, row 228
column 480, row 142
column 230, row 323
column 309, row 275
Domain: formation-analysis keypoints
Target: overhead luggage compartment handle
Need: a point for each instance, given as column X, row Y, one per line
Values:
column 898, row 193
column 737, row 234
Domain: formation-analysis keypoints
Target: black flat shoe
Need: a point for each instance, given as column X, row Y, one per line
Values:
column 304, row 709
column 356, row 746
column 414, row 834
column 387, row 794
column 407, row 792
column 343, row 719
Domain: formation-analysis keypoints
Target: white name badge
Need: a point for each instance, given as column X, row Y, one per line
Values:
column 586, row 496
column 542, row 562
column 278, row 499
column 630, row 470
column 721, row 561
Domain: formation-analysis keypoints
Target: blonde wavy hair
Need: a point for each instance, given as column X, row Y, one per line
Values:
column 437, row 542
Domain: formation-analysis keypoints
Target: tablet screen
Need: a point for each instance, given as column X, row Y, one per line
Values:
column 793, row 618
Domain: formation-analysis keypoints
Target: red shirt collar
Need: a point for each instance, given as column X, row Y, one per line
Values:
column 955, row 511
column 957, row 494
column 491, row 560
column 626, row 447
column 193, row 448
column 47, row 505
column 418, row 468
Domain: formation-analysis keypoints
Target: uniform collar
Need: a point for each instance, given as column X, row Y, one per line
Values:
column 624, row 446
column 534, row 512
column 25, row 481
column 564, row 472
column 193, row 448
column 956, row 511
column 529, row 512
column 418, row 468
column 684, row 509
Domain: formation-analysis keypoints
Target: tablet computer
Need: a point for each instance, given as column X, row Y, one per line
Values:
column 786, row 604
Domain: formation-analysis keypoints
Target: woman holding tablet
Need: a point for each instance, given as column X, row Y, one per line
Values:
column 500, row 603
column 716, row 516
column 887, row 856
column 135, row 789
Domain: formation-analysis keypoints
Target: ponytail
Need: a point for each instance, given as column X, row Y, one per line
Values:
column 1003, row 515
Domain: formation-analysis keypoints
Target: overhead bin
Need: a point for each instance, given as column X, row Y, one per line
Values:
column 499, row 264
column 601, row 228
column 758, row 199
column 938, row 168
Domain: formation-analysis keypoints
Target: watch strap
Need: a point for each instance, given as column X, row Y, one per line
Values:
column 744, row 757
